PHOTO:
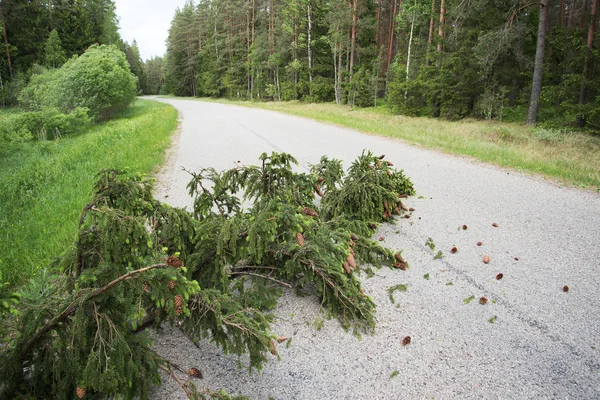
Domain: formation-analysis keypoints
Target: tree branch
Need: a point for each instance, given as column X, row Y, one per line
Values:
column 287, row 285
column 74, row 305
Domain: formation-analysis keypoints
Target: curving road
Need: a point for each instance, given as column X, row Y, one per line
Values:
column 544, row 343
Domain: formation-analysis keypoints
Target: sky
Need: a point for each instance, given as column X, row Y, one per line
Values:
column 148, row 22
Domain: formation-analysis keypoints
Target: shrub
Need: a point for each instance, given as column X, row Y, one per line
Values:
column 48, row 123
column 99, row 80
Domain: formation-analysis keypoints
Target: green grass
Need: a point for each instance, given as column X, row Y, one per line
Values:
column 569, row 157
column 45, row 185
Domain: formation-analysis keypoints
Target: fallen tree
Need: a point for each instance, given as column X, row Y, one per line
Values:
column 79, row 328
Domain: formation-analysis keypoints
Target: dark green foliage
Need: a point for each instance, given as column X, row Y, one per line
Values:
column 54, row 54
column 215, row 272
column 370, row 192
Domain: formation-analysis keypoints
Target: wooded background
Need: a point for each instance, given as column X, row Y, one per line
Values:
column 493, row 59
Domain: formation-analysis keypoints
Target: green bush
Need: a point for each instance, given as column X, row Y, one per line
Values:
column 49, row 123
column 99, row 80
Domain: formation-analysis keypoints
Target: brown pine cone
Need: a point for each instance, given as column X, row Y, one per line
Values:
column 195, row 373
column 272, row 348
column 318, row 190
column 386, row 208
column 300, row 239
column 389, row 164
column 346, row 267
column 80, row 391
column 178, row 304
column 401, row 265
column 282, row 339
column 499, row 276
column 373, row 225
column 399, row 257
column 171, row 285
column 406, row 341
column 309, row 212
column 146, row 287
column 486, row 259
column 402, row 206
column 389, row 173
column 320, row 180
column 483, row 300
column 351, row 261
column 354, row 237
column 174, row 262
column 381, row 156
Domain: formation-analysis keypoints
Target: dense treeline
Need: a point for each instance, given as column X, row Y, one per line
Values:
column 443, row 58
column 49, row 32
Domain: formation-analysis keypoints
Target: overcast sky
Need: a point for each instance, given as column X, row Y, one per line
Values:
column 148, row 22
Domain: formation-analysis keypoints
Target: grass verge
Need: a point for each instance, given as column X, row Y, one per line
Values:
column 569, row 157
column 45, row 185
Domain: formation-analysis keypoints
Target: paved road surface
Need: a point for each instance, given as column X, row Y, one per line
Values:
column 544, row 343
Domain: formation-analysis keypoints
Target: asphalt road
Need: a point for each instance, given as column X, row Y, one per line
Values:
column 544, row 343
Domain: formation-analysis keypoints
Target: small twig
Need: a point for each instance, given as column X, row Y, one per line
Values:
column 179, row 381
column 287, row 285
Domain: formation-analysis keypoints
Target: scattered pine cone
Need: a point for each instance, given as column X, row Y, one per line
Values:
column 464, row 227
column 499, row 276
column 389, row 164
column 381, row 238
column 483, row 300
column 171, row 285
column 146, row 287
column 401, row 265
column 346, row 267
column 486, row 259
column 406, row 341
column 320, row 180
column 389, row 172
column 272, row 348
column 412, row 209
column 354, row 237
column 174, row 262
column 495, row 225
column 402, row 206
column 397, row 211
column 381, row 156
column 407, row 216
column 178, row 304
column 516, row 258
column 80, row 391
column 453, row 250
column 195, row 373
column 318, row 190
column 310, row 212
column 479, row 243
column 282, row 339
column 378, row 163
column 300, row 239
column 565, row 289
column 386, row 208
column 373, row 225
column 351, row 261
column 399, row 257
column 403, row 196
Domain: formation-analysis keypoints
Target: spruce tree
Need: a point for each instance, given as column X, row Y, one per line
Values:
column 54, row 54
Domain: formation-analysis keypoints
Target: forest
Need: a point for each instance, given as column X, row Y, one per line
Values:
column 439, row 58
column 43, row 35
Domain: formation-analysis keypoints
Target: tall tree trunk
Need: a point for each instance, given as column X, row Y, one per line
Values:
column 412, row 27
column 563, row 4
column 310, row 77
column 430, row 36
column 50, row 11
column 353, row 38
column 377, row 33
column 10, row 73
column 442, row 22
column 588, row 55
column 571, row 13
column 536, row 86
column 584, row 11
column 391, row 35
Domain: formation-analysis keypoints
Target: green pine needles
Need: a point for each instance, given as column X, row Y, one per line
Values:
column 79, row 328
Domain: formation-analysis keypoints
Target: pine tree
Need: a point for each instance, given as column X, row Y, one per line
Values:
column 54, row 54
